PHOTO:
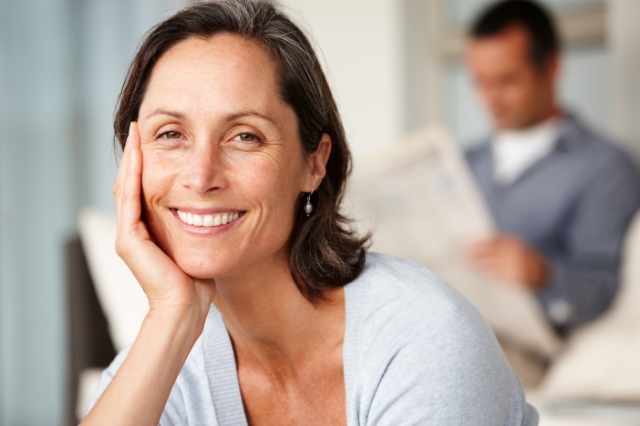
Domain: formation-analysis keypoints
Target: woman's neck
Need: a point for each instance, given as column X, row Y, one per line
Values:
column 272, row 324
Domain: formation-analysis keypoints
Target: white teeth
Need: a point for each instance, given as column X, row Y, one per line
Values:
column 208, row 220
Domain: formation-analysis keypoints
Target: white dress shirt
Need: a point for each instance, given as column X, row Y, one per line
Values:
column 515, row 151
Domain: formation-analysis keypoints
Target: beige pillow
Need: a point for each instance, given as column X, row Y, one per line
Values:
column 121, row 297
column 602, row 360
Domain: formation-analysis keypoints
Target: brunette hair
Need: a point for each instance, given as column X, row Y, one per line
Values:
column 325, row 252
column 530, row 15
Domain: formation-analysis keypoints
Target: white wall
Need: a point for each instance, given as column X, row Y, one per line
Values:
column 360, row 42
column 624, row 43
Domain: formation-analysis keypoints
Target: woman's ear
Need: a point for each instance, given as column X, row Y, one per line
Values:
column 319, row 160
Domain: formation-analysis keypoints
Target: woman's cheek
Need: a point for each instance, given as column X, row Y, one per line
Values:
column 271, row 183
column 159, row 169
column 158, row 176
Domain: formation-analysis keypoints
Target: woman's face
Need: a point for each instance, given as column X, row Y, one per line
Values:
column 222, row 162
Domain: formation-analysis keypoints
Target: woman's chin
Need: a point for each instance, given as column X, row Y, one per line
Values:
column 200, row 273
column 201, row 268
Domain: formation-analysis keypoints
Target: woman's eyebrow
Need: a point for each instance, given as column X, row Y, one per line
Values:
column 170, row 113
column 241, row 114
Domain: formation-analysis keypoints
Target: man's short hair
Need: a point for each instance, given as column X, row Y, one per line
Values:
column 530, row 16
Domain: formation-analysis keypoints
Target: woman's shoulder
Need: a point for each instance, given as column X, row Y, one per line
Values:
column 400, row 306
column 408, row 289
column 415, row 341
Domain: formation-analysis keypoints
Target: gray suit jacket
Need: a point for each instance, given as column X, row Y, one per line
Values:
column 574, row 206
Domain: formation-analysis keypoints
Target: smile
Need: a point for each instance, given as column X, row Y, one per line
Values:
column 208, row 221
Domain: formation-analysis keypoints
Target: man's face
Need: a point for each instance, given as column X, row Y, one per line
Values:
column 517, row 93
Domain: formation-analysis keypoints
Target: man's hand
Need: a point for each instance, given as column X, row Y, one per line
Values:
column 506, row 258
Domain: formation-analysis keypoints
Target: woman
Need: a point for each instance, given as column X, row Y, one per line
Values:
column 263, row 309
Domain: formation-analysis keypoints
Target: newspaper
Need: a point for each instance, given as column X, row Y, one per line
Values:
column 420, row 201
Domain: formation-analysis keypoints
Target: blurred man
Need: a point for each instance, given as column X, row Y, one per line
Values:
column 561, row 196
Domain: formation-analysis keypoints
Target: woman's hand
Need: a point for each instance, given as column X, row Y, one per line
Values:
column 178, row 307
column 167, row 287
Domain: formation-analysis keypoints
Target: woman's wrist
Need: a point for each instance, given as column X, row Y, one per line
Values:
column 179, row 323
column 141, row 387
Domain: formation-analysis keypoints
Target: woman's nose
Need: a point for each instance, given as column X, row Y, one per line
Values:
column 204, row 172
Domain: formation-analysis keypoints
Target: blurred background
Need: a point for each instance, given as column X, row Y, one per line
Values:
column 394, row 65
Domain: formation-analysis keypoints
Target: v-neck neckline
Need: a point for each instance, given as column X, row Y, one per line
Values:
column 221, row 368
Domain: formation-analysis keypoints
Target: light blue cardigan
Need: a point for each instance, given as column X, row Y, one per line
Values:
column 415, row 353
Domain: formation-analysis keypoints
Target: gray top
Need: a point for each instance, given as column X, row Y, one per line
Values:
column 415, row 353
column 574, row 206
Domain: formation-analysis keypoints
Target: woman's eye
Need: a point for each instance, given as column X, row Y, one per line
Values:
column 171, row 135
column 247, row 137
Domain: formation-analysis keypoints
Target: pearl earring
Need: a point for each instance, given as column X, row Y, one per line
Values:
column 308, row 207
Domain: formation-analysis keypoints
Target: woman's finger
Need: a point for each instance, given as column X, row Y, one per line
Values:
column 122, row 169
column 131, row 208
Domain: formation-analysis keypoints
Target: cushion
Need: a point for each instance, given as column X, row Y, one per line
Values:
column 121, row 297
column 602, row 360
